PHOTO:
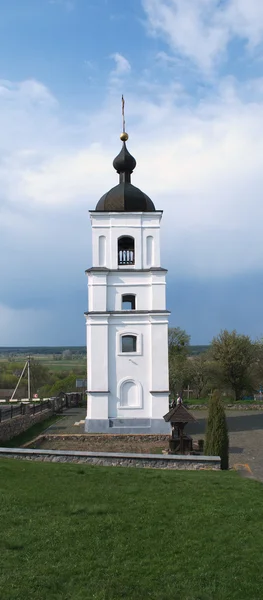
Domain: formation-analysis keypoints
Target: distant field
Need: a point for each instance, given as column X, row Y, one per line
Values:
column 32, row 350
column 198, row 349
column 76, row 364
column 45, row 355
column 61, row 365
column 50, row 350
column 73, row 366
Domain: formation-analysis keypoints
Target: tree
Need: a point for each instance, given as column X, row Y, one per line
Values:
column 178, row 342
column 200, row 373
column 178, row 347
column 235, row 354
column 67, row 354
column 67, row 384
column 217, row 443
column 39, row 375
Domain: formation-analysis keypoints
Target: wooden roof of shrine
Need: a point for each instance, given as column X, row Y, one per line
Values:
column 179, row 414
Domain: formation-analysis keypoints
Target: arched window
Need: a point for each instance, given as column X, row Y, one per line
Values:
column 126, row 255
column 128, row 302
column 129, row 343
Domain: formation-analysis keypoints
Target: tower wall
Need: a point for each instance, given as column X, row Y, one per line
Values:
column 111, row 226
column 127, row 391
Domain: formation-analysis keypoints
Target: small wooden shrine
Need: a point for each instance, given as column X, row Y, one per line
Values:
column 179, row 416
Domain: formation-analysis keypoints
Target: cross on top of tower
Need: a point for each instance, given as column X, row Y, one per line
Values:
column 124, row 135
column 125, row 196
column 124, row 163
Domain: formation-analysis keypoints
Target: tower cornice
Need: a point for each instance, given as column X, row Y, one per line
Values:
column 128, row 312
column 131, row 212
column 125, row 270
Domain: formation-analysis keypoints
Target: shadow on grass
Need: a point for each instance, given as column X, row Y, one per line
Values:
column 92, row 510
column 13, row 545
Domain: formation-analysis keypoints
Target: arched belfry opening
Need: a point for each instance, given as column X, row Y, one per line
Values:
column 126, row 250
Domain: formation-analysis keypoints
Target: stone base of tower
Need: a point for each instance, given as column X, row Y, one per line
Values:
column 127, row 426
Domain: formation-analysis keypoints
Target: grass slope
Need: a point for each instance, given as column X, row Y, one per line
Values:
column 76, row 532
column 30, row 433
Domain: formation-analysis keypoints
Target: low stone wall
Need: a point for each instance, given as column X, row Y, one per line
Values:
column 107, row 459
column 102, row 442
column 235, row 406
column 15, row 426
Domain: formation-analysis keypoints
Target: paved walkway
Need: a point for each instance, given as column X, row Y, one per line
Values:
column 245, row 439
column 245, row 435
column 70, row 423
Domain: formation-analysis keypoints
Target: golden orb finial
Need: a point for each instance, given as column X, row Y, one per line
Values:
column 124, row 136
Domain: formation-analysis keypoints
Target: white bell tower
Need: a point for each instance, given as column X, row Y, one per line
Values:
column 127, row 320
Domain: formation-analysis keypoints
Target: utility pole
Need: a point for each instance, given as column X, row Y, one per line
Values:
column 28, row 379
column 22, row 375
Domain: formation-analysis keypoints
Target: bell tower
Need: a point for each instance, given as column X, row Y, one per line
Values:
column 127, row 320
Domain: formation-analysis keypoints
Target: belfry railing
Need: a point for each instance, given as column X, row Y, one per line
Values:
column 126, row 257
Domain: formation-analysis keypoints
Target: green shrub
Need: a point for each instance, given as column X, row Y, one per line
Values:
column 217, row 443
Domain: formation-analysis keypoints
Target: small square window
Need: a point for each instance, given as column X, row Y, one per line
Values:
column 129, row 343
column 128, row 302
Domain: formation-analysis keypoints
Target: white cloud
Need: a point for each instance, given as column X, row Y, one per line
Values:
column 67, row 175
column 166, row 59
column 201, row 30
column 202, row 164
column 118, row 76
column 122, row 65
column 200, row 161
column 245, row 19
column 30, row 92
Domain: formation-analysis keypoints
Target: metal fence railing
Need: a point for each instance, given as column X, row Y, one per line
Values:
column 57, row 404
column 10, row 411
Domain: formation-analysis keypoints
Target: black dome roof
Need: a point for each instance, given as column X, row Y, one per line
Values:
column 125, row 196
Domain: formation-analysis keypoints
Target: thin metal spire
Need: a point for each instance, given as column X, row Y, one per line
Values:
column 124, row 136
column 123, row 114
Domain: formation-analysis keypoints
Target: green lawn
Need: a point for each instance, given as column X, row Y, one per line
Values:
column 76, row 532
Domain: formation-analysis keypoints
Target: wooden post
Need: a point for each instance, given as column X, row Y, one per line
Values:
column 181, row 440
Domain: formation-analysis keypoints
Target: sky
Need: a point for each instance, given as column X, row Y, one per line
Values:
column 192, row 76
